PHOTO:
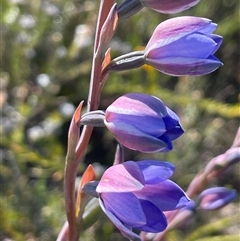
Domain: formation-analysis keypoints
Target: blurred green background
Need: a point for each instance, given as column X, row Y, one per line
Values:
column 46, row 54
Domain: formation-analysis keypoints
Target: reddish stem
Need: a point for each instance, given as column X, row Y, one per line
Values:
column 71, row 168
column 69, row 191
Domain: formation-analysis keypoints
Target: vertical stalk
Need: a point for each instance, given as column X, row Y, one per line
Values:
column 71, row 167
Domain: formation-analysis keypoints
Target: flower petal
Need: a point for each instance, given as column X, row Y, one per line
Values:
column 156, row 220
column 173, row 120
column 129, row 178
column 178, row 66
column 170, row 6
column 175, row 132
column 194, row 45
column 166, row 195
column 132, row 138
column 218, row 40
column 126, row 207
column 126, row 232
column 153, row 126
column 175, row 28
column 138, row 104
column 174, row 128
column 155, row 171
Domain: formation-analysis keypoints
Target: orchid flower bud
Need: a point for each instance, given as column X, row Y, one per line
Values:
column 169, row 6
column 135, row 195
column 222, row 162
column 184, row 46
column 130, row 7
column 142, row 122
column 178, row 46
column 215, row 198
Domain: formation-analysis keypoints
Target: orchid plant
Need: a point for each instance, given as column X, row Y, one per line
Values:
column 138, row 195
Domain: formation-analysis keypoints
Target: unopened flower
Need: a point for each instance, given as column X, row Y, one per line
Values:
column 222, row 162
column 135, row 194
column 178, row 46
column 142, row 122
column 215, row 198
column 169, row 6
column 130, row 7
column 184, row 46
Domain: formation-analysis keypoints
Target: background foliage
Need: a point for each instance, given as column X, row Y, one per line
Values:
column 46, row 51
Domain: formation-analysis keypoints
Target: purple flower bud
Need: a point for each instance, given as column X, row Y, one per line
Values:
column 169, row 6
column 135, row 194
column 130, row 7
column 142, row 122
column 215, row 198
column 184, row 46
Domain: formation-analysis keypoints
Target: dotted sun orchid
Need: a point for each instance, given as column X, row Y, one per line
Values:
column 184, row 46
column 142, row 122
column 135, row 194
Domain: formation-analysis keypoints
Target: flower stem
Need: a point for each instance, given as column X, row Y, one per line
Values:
column 71, row 167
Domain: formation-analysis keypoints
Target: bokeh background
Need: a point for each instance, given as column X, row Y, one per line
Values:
column 46, row 54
